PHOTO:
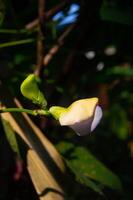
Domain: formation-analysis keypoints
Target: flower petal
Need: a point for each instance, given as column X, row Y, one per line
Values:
column 97, row 117
column 79, row 111
column 82, row 116
column 83, row 128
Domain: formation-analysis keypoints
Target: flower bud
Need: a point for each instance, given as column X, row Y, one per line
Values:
column 82, row 116
column 29, row 88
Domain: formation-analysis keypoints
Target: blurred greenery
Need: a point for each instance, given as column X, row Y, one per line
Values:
column 118, row 122
column 100, row 165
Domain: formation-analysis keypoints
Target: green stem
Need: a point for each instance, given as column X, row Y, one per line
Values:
column 31, row 112
column 14, row 43
column 12, row 31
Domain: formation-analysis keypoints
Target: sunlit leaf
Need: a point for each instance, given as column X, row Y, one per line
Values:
column 11, row 137
column 30, row 89
column 84, row 164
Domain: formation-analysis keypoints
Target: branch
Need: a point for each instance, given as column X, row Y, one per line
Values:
column 57, row 46
column 48, row 15
column 56, row 9
column 40, row 41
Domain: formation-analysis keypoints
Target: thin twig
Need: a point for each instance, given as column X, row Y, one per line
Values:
column 32, row 25
column 56, row 9
column 57, row 46
column 49, row 14
column 40, row 41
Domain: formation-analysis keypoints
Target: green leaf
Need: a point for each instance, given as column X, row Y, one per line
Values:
column 11, row 137
column 29, row 88
column 84, row 164
column 88, row 182
column 120, row 71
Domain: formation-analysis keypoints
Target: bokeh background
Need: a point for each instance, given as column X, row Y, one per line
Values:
column 93, row 43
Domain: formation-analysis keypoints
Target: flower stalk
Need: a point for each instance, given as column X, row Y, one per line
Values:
column 28, row 111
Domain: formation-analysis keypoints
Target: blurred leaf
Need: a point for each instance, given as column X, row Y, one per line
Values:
column 19, row 58
column 118, row 122
column 115, row 72
column 120, row 71
column 114, row 12
column 59, row 89
column 11, row 137
column 127, row 96
column 85, row 166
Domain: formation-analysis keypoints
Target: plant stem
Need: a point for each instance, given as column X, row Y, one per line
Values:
column 31, row 112
column 12, row 31
column 48, row 15
column 41, row 39
column 15, row 43
column 48, row 57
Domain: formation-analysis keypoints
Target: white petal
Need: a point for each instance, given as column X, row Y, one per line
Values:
column 97, row 117
column 79, row 111
column 82, row 116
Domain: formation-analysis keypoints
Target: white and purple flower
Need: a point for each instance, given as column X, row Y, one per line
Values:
column 82, row 116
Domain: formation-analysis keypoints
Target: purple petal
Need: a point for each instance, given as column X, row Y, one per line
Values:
column 97, row 117
column 83, row 127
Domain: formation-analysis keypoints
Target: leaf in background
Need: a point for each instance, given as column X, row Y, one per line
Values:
column 120, row 71
column 85, row 167
column 118, row 122
column 11, row 137
column 113, row 11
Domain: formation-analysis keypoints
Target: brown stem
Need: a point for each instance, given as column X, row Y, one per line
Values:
column 41, row 33
column 48, row 15
column 57, row 46
column 56, row 9
column 32, row 25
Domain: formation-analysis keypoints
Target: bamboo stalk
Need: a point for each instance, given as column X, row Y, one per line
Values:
column 44, row 163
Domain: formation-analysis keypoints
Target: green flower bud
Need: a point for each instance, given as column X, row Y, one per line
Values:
column 56, row 111
column 29, row 88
